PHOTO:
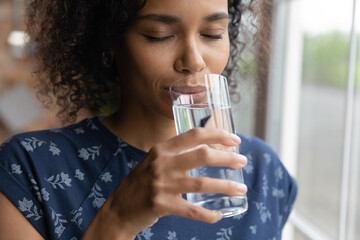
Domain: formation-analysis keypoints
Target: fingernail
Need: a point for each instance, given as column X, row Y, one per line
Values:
column 241, row 188
column 220, row 216
column 242, row 159
column 235, row 138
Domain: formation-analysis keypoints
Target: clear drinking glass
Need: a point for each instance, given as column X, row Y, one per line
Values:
column 202, row 100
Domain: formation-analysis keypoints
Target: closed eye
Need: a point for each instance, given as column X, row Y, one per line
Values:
column 156, row 39
column 215, row 37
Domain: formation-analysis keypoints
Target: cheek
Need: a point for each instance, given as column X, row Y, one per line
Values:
column 217, row 58
column 151, row 62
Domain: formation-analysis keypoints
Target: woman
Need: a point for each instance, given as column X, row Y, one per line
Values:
column 122, row 176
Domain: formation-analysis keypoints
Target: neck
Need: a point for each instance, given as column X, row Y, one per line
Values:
column 135, row 127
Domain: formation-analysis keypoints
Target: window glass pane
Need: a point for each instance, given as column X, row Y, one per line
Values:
column 244, row 110
column 321, row 124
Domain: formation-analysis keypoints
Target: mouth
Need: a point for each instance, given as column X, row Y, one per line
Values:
column 187, row 94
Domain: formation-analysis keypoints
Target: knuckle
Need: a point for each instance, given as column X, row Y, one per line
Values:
column 198, row 184
column 157, row 192
column 158, row 162
column 181, row 180
column 204, row 153
column 156, row 186
column 155, row 177
column 196, row 132
column 156, row 151
column 155, row 171
column 157, row 202
column 193, row 212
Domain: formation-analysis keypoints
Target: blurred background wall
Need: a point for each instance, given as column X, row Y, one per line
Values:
column 19, row 108
column 308, row 107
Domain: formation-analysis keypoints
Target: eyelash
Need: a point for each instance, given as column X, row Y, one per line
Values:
column 213, row 37
column 156, row 39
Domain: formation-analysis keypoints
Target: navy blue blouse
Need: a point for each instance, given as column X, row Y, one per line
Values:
column 58, row 179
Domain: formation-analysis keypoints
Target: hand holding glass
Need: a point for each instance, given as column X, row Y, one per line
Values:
column 202, row 100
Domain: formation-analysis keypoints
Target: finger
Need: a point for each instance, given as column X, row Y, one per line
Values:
column 204, row 155
column 209, row 185
column 180, row 207
column 198, row 136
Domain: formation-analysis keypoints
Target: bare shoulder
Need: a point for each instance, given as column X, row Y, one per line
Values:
column 13, row 225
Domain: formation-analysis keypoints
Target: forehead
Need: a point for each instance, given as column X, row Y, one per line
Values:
column 185, row 8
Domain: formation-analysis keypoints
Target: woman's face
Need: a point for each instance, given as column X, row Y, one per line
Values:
column 169, row 40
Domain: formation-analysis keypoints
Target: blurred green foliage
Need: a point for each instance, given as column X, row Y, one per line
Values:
column 326, row 58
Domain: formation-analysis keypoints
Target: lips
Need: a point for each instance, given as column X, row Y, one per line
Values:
column 188, row 95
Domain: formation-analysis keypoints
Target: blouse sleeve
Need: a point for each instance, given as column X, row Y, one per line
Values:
column 283, row 186
column 288, row 203
column 270, row 179
column 17, row 184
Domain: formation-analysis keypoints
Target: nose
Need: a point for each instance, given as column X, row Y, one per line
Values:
column 190, row 59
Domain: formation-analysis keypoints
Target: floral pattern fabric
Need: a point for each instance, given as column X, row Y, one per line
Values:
column 58, row 179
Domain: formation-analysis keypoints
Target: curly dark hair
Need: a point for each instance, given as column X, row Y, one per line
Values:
column 70, row 38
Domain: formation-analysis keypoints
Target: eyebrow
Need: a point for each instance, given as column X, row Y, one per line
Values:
column 216, row 16
column 160, row 18
column 168, row 19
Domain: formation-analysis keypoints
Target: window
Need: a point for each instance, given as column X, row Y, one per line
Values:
column 313, row 118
